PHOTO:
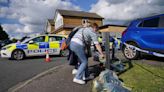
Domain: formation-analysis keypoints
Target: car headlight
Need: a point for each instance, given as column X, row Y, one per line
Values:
column 4, row 48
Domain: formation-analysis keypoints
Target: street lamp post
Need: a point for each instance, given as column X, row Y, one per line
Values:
column 107, row 49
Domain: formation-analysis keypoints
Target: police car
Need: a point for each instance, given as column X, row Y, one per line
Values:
column 34, row 46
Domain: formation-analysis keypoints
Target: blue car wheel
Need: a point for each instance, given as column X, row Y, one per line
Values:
column 131, row 53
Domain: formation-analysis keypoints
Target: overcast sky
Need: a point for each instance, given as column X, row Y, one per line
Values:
column 23, row 17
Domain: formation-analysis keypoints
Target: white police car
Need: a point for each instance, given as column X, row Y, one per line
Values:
column 34, row 46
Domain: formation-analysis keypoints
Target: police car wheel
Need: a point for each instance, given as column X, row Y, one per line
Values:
column 131, row 53
column 64, row 53
column 18, row 55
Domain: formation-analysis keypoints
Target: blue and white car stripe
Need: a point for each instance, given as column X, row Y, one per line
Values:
column 141, row 50
column 43, row 45
column 21, row 46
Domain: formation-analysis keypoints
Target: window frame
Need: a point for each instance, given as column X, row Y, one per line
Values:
column 35, row 38
column 160, row 21
column 56, row 37
column 141, row 24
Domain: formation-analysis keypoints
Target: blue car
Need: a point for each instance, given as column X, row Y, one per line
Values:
column 146, row 34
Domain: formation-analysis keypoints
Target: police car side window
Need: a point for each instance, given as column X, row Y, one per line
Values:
column 58, row 38
column 39, row 39
column 52, row 38
column 55, row 38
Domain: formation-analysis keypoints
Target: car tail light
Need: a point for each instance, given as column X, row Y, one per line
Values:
column 124, row 32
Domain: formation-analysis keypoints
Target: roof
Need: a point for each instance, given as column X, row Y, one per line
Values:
column 79, row 14
column 149, row 17
column 51, row 21
column 69, row 26
column 106, row 26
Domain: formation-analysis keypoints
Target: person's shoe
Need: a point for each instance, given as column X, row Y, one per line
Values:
column 78, row 81
column 74, row 71
column 88, row 78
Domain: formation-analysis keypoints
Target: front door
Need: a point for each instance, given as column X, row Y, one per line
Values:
column 37, row 47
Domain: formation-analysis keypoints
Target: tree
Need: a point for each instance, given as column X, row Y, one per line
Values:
column 3, row 34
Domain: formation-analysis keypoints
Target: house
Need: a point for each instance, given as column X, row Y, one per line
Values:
column 115, row 30
column 50, row 26
column 66, row 20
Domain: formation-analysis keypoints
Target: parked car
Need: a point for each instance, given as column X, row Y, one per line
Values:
column 34, row 46
column 146, row 34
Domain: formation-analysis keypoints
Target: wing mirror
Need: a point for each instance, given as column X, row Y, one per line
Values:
column 31, row 42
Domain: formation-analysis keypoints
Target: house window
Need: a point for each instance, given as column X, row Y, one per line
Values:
column 84, row 21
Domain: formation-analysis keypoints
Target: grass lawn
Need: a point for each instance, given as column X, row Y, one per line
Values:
column 144, row 77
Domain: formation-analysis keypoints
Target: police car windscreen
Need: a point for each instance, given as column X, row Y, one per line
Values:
column 24, row 39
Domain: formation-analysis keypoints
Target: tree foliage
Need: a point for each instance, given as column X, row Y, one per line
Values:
column 3, row 34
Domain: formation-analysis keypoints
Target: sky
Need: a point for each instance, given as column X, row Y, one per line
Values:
column 24, row 17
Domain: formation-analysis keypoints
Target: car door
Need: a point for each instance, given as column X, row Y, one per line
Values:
column 161, row 29
column 54, row 43
column 37, row 46
column 150, row 35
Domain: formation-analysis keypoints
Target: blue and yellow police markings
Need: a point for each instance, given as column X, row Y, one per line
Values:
column 40, row 48
column 21, row 46
column 39, row 51
column 43, row 47
column 54, row 44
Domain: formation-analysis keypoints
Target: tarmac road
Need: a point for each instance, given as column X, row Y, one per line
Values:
column 13, row 72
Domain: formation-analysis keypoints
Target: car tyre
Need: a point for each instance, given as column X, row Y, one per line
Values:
column 131, row 53
column 18, row 55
